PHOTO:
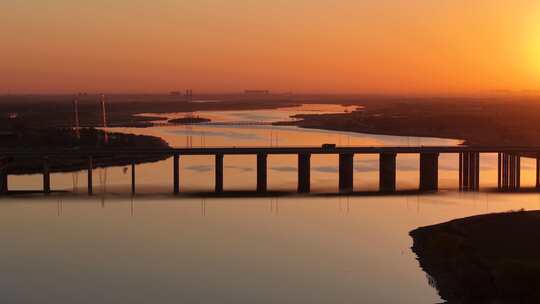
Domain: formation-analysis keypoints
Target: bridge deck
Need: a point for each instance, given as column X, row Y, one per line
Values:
column 265, row 150
column 469, row 164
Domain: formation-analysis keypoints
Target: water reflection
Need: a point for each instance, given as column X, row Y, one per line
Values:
column 274, row 205
column 344, row 209
column 309, row 249
column 288, row 249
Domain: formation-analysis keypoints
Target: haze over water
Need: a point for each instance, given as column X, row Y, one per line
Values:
column 158, row 248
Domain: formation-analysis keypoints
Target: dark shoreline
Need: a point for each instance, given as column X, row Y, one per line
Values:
column 502, row 120
column 34, row 111
column 490, row 258
column 188, row 120
column 68, row 139
column 476, row 122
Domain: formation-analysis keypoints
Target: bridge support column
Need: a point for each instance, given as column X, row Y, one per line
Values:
column 3, row 182
column 46, row 176
column 346, row 172
column 176, row 174
column 499, row 171
column 505, row 175
column 262, row 172
column 219, row 173
column 469, row 171
column 90, row 167
column 477, row 172
column 518, row 172
column 537, row 172
column 465, row 171
column 387, row 172
column 429, row 171
column 510, row 172
column 304, row 172
column 133, row 177
column 4, row 163
column 460, row 171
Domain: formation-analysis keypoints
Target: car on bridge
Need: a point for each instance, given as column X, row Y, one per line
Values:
column 329, row 146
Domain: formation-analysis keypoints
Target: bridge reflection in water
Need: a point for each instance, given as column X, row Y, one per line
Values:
column 509, row 160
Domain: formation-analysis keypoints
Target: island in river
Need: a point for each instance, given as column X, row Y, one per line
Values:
column 188, row 120
column 489, row 258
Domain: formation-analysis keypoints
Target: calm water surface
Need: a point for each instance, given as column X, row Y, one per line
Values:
column 155, row 248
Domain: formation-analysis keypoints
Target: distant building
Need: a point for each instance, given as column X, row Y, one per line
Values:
column 256, row 92
column 188, row 94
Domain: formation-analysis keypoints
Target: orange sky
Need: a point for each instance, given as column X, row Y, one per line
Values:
column 347, row 46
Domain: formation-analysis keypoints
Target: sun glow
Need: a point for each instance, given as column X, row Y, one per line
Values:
column 385, row 46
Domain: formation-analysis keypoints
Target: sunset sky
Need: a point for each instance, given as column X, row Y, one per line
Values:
column 323, row 46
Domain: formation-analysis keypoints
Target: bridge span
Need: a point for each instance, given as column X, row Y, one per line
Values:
column 509, row 160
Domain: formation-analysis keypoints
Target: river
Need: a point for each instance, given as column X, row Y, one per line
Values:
column 156, row 248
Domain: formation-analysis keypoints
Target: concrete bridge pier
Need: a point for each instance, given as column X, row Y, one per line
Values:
column 537, row 172
column 469, row 171
column 464, row 172
column 262, row 172
column 499, row 171
column 46, row 176
column 219, row 173
column 304, row 172
column 346, row 172
column 512, row 172
column 133, row 184
column 517, row 174
column 518, row 171
column 476, row 185
column 4, row 164
column 176, row 174
column 429, row 171
column 387, row 172
column 4, row 188
column 509, row 172
column 505, row 175
column 90, row 167
column 3, row 182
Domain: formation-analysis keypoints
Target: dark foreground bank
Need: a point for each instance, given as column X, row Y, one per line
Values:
column 89, row 138
column 483, row 259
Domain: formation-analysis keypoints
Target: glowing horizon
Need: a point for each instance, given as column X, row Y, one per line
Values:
column 392, row 47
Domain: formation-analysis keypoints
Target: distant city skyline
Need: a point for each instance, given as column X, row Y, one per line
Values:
column 317, row 46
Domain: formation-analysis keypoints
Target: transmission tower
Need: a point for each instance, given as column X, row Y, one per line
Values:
column 76, row 114
column 102, row 101
column 103, row 171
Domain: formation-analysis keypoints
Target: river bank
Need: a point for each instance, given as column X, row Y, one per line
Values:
column 88, row 138
column 503, row 120
column 33, row 111
column 490, row 258
column 493, row 122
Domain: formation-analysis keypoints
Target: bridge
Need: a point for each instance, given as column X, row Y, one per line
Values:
column 509, row 160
